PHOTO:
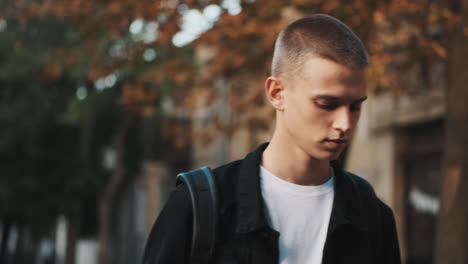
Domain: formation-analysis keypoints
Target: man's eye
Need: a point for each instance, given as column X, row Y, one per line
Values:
column 355, row 108
column 328, row 107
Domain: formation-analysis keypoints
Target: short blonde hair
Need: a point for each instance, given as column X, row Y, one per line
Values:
column 317, row 35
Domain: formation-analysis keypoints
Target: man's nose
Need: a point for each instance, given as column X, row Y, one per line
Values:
column 343, row 120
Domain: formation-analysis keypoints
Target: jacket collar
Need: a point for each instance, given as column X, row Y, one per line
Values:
column 250, row 206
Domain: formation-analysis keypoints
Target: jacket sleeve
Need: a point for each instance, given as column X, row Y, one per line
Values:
column 170, row 238
column 390, row 248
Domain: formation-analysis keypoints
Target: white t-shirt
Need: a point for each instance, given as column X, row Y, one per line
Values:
column 301, row 214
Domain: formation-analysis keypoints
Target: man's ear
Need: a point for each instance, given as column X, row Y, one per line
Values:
column 274, row 91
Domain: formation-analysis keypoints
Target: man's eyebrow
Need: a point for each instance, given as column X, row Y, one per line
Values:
column 327, row 97
column 360, row 100
column 336, row 98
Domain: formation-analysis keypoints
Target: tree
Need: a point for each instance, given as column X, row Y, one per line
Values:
column 31, row 96
column 46, row 173
column 452, row 233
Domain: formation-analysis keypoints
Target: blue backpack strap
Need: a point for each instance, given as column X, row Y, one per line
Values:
column 203, row 192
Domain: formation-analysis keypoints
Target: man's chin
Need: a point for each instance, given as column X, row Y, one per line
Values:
column 324, row 154
column 329, row 155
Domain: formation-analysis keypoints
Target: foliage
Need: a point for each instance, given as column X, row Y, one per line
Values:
column 44, row 173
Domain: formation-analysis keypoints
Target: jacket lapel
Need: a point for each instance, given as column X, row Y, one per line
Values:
column 250, row 208
column 346, row 204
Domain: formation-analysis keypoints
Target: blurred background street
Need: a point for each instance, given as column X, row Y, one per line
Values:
column 102, row 103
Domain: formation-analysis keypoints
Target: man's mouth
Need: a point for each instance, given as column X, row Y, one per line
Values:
column 335, row 143
column 341, row 141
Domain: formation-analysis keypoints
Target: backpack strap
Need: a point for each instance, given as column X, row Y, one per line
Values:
column 203, row 193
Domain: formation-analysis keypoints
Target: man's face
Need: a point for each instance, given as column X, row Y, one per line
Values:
column 321, row 106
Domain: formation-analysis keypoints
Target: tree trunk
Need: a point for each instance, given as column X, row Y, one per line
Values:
column 6, row 228
column 107, row 199
column 19, row 247
column 73, row 232
column 74, row 217
column 452, row 232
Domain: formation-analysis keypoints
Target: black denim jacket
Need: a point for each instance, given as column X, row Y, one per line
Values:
column 361, row 230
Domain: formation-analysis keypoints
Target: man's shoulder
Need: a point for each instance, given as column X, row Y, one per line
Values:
column 227, row 167
column 228, row 172
column 245, row 166
column 361, row 184
column 366, row 191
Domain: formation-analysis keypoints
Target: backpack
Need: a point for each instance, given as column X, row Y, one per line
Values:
column 204, row 197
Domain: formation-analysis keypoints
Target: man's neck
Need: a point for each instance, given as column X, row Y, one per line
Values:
column 292, row 164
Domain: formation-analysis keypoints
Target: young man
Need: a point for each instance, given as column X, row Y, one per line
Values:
column 287, row 202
